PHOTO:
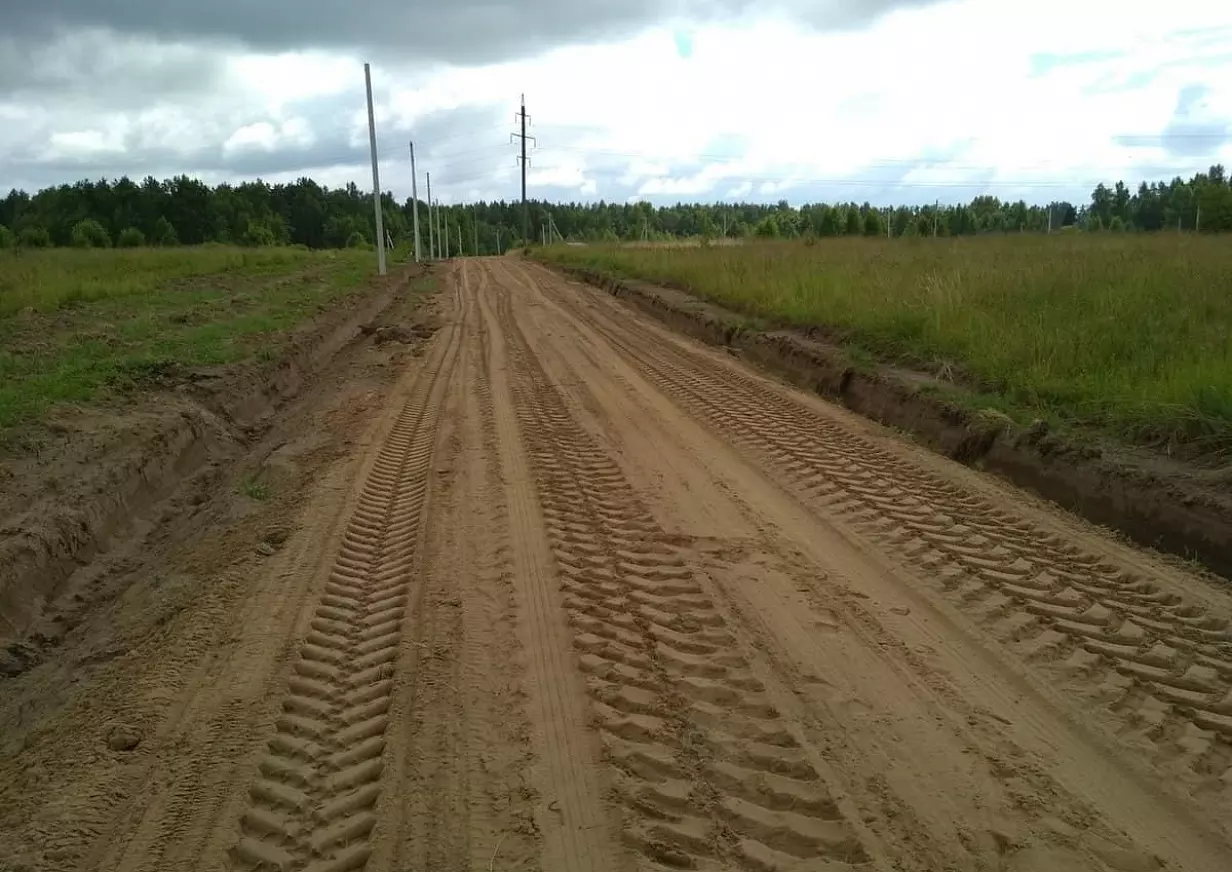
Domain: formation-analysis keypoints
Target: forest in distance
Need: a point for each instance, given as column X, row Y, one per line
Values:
column 186, row 211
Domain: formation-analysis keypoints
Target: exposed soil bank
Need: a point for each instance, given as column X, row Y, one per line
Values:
column 1157, row 502
column 102, row 478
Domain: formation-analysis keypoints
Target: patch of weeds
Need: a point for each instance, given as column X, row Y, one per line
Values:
column 861, row 359
column 254, row 489
column 141, row 373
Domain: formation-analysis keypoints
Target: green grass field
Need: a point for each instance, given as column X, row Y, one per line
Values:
column 1128, row 333
column 75, row 324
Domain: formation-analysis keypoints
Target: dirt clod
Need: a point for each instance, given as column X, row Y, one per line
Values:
column 1036, row 431
column 123, row 737
column 405, row 334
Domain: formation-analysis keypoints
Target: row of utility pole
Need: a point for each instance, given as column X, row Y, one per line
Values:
column 438, row 229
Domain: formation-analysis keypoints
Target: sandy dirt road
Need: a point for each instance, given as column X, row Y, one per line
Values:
column 594, row 597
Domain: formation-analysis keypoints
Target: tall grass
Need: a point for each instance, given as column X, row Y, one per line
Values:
column 1127, row 332
column 76, row 324
column 48, row 279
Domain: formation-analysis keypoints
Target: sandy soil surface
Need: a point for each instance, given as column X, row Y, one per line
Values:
column 581, row 594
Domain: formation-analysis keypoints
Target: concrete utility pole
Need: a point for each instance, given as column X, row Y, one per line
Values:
column 414, row 204
column 523, row 118
column 498, row 248
column 445, row 233
column 459, row 228
column 376, row 178
column 936, row 217
column 475, row 224
column 431, row 234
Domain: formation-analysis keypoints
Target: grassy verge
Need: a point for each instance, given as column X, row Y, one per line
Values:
column 78, row 324
column 1131, row 334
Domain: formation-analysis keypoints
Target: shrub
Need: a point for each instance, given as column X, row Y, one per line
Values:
column 164, row 233
column 257, row 234
column 768, row 228
column 872, row 224
column 90, row 234
column 356, row 240
column 130, row 237
column 34, row 237
column 7, row 239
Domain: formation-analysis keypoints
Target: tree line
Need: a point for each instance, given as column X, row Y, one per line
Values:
column 186, row 211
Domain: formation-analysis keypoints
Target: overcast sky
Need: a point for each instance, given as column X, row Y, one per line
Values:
column 881, row 100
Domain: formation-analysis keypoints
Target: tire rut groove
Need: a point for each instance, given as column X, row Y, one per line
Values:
column 512, row 810
column 1161, row 665
column 311, row 804
column 702, row 762
column 575, row 829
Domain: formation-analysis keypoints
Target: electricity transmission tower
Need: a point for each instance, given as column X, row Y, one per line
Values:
column 523, row 118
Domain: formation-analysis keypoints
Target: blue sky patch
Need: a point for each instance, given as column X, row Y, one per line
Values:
column 684, row 44
column 1046, row 62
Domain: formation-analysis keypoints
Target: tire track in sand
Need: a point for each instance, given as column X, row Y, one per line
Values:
column 709, row 773
column 574, row 824
column 311, row 806
column 516, row 840
column 461, row 752
column 1160, row 665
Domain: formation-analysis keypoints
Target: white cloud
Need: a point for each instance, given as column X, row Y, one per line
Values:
column 994, row 92
column 948, row 101
column 275, row 80
column 268, row 137
column 84, row 142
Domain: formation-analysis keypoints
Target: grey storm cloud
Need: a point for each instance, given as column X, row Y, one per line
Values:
column 333, row 147
column 104, row 69
column 463, row 31
column 70, row 64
